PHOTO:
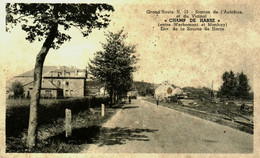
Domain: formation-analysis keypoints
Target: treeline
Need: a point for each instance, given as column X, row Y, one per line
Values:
column 235, row 86
column 144, row 88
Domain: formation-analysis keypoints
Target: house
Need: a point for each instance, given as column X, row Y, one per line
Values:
column 57, row 82
column 166, row 90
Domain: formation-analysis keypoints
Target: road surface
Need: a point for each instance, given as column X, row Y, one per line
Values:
column 142, row 127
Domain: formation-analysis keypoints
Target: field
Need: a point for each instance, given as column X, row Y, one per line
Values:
column 86, row 121
column 226, row 113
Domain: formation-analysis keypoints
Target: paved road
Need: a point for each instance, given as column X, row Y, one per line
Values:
column 142, row 127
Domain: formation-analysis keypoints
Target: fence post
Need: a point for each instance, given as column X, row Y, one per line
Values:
column 102, row 110
column 68, row 122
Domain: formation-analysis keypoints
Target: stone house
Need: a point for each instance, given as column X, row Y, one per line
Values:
column 57, row 82
column 166, row 90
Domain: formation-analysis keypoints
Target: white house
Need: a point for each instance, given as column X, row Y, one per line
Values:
column 165, row 90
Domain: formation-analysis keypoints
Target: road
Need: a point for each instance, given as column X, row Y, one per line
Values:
column 142, row 127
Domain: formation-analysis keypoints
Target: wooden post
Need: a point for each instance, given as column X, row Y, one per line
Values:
column 68, row 122
column 102, row 110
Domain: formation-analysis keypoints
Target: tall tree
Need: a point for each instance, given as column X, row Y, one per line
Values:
column 228, row 87
column 243, row 87
column 115, row 64
column 42, row 21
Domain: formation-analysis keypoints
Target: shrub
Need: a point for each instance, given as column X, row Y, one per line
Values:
column 17, row 89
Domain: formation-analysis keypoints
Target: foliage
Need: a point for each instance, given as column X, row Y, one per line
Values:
column 17, row 89
column 234, row 86
column 17, row 112
column 198, row 93
column 41, row 21
column 52, row 127
column 144, row 88
column 228, row 87
column 37, row 19
column 115, row 64
column 242, row 90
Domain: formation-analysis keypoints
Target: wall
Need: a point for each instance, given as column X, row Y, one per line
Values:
column 71, row 87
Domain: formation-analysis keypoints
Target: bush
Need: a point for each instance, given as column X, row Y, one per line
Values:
column 173, row 99
column 16, row 90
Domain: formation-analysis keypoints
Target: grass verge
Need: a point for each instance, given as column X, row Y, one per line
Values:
column 51, row 132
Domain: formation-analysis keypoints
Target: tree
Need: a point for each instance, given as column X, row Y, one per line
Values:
column 228, row 87
column 114, row 65
column 243, row 87
column 42, row 21
column 234, row 86
column 17, row 89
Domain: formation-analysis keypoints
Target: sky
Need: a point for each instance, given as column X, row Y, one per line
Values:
column 182, row 58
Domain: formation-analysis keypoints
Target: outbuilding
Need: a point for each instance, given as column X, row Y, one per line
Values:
column 166, row 90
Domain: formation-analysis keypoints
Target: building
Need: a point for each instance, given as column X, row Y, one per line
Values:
column 57, row 82
column 166, row 90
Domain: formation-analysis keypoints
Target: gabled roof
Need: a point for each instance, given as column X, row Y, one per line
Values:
column 167, row 84
column 163, row 86
column 45, row 70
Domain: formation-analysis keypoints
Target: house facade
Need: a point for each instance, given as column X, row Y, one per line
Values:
column 57, row 82
column 166, row 90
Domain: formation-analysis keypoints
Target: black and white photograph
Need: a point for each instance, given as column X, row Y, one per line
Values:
column 119, row 79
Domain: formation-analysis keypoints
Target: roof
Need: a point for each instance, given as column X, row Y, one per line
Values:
column 45, row 70
column 67, row 69
column 48, row 85
column 45, row 85
column 163, row 86
column 48, row 69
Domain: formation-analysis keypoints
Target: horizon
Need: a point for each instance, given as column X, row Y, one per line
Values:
column 251, row 90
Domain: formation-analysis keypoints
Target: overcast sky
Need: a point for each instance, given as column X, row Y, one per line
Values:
column 182, row 58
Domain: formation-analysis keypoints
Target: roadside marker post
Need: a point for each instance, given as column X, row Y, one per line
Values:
column 102, row 110
column 68, row 123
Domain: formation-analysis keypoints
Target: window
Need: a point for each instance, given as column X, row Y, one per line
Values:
column 169, row 90
column 67, row 93
column 67, row 83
